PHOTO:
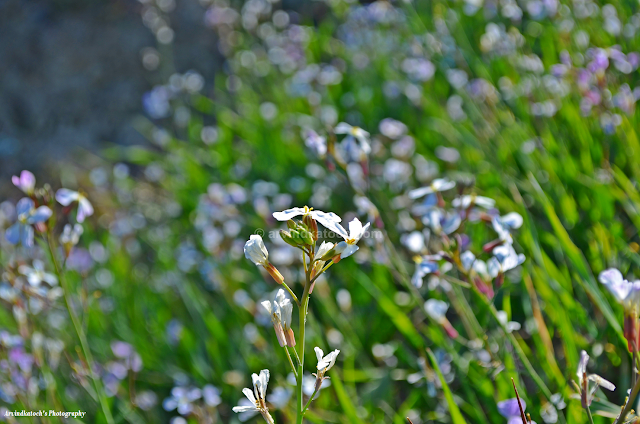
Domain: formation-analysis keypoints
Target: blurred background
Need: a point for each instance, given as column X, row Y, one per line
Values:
column 72, row 76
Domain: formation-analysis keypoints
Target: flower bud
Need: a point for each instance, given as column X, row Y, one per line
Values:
column 288, row 238
column 255, row 251
column 295, row 235
column 273, row 271
column 306, row 236
column 312, row 225
column 290, row 337
column 291, row 224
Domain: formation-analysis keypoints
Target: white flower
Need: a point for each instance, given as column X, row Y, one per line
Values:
column 467, row 200
column 257, row 396
column 65, row 197
column 438, row 185
column 627, row 293
column 36, row 274
column 467, row 259
column 505, row 258
column 510, row 326
column 325, row 362
column 328, row 219
column 503, row 226
column 356, row 231
column 441, row 222
column 586, row 395
column 354, row 133
column 71, row 234
column 427, row 264
column 316, row 143
column 324, row 248
column 280, row 311
column 255, row 251
column 182, row 398
column 436, row 309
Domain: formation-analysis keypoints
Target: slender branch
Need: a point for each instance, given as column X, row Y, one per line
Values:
column 293, row 295
column 295, row 372
column 309, row 402
column 589, row 415
column 296, row 354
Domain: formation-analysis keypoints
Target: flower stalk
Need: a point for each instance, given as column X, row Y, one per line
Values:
column 84, row 344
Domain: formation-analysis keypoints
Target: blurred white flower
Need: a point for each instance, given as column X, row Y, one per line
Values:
column 65, row 197
column 438, row 185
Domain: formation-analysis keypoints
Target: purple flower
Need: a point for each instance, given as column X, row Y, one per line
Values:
column 511, row 411
column 600, row 61
column 28, row 214
column 79, row 260
column 25, row 182
column 182, row 398
column 19, row 357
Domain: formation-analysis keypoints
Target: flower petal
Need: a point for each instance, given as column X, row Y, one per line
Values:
column 342, row 128
column 350, row 250
column 40, row 215
column 420, row 192
column 13, row 233
column 510, row 408
column 288, row 214
column 65, row 197
column 24, row 206
column 85, row 209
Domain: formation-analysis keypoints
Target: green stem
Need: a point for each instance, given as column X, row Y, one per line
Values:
column 589, row 415
column 304, row 306
column 80, row 332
